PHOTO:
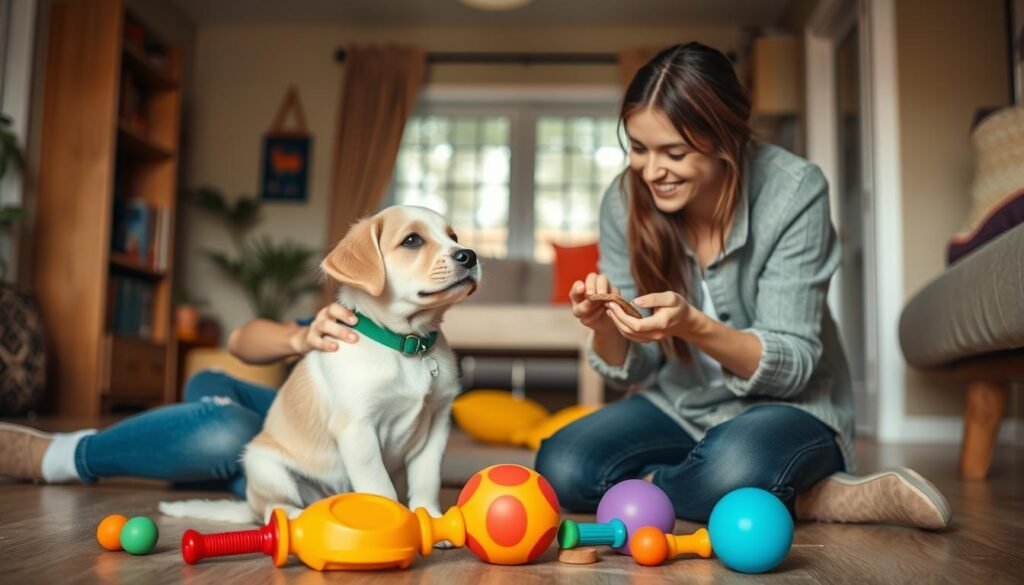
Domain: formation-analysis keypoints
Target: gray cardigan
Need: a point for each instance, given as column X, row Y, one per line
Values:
column 771, row 280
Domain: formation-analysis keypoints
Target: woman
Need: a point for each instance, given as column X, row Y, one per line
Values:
column 198, row 440
column 729, row 245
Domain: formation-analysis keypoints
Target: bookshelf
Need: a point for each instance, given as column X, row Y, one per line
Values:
column 104, row 236
column 135, row 145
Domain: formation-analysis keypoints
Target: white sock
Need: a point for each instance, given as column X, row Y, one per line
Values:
column 59, row 459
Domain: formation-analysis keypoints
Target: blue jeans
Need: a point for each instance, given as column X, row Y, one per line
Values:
column 774, row 447
column 198, row 441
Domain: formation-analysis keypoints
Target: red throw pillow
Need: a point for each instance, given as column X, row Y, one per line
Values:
column 572, row 263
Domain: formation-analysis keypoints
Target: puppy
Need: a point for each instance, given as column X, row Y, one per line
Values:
column 354, row 419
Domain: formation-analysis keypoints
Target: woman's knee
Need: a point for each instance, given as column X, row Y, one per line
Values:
column 225, row 431
column 776, row 448
column 732, row 467
column 206, row 384
column 566, row 470
column 725, row 464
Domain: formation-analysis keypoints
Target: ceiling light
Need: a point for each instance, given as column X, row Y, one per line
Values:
column 496, row 5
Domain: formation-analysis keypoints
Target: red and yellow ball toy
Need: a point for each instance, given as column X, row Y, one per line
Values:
column 511, row 514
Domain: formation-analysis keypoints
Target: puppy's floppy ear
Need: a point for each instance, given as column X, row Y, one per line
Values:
column 357, row 260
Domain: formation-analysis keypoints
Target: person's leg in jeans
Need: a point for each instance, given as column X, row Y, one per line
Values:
column 777, row 448
column 624, row 440
column 214, row 384
column 198, row 440
column 774, row 447
column 795, row 456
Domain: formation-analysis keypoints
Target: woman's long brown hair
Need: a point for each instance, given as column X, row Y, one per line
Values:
column 696, row 87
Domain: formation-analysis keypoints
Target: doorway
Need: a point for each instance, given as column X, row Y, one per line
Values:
column 839, row 142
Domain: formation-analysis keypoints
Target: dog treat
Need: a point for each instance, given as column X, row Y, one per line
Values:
column 610, row 298
column 584, row 555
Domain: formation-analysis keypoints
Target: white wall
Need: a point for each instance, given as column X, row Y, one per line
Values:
column 242, row 73
column 952, row 59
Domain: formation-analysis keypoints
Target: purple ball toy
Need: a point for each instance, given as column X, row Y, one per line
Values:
column 637, row 503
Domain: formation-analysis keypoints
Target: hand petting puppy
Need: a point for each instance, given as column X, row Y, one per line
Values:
column 324, row 331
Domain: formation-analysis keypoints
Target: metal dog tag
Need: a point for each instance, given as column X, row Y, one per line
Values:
column 432, row 364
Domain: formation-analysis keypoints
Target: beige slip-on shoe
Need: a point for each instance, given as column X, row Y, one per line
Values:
column 896, row 496
column 21, row 451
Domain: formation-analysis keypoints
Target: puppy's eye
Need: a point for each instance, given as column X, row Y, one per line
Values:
column 454, row 238
column 412, row 241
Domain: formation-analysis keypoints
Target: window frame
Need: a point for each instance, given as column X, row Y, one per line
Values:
column 523, row 108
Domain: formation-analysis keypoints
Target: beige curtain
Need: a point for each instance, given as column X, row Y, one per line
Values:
column 631, row 60
column 381, row 86
column 380, row 90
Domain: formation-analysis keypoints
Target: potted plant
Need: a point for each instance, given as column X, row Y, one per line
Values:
column 274, row 275
column 186, row 315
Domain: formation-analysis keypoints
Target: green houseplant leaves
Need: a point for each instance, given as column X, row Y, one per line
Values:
column 274, row 275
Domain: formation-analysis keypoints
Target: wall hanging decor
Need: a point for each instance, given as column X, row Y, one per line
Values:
column 286, row 154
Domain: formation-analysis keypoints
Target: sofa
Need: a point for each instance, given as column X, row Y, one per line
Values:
column 969, row 321
column 512, row 316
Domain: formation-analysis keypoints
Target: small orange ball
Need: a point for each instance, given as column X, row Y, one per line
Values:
column 108, row 533
column 649, row 546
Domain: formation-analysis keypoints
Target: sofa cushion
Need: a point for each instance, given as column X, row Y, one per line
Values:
column 501, row 281
column 572, row 263
column 998, row 141
column 537, row 284
column 1008, row 214
column 975, row 307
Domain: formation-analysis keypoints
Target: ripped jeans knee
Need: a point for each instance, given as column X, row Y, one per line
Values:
column 207, row 383
column 225, row 429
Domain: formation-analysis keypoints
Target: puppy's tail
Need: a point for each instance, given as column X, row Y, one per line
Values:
column 235, row 511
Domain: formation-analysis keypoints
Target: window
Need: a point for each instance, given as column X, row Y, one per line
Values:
column 511, row 178
column 459, row 166
column 576, row 158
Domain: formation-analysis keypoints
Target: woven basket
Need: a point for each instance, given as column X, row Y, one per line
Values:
column 22, row 352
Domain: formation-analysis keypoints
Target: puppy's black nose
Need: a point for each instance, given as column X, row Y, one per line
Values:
column 466, row 257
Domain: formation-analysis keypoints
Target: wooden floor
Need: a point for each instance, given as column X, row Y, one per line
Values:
column 47, row 536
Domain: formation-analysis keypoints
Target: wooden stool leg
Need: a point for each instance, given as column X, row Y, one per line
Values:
column 986, row 404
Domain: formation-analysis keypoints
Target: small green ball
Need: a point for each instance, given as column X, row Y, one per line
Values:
column 139, row 535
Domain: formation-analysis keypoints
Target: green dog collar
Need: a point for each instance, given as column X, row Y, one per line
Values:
column 406, row 344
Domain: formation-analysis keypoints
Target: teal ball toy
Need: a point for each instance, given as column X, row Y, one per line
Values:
column 139, row 535
column 751, row 530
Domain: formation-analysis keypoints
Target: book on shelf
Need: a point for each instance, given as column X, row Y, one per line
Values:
column 163, row 226
column 139, row 39
column 141, row 231
column 130, row 306
column 131, row 103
